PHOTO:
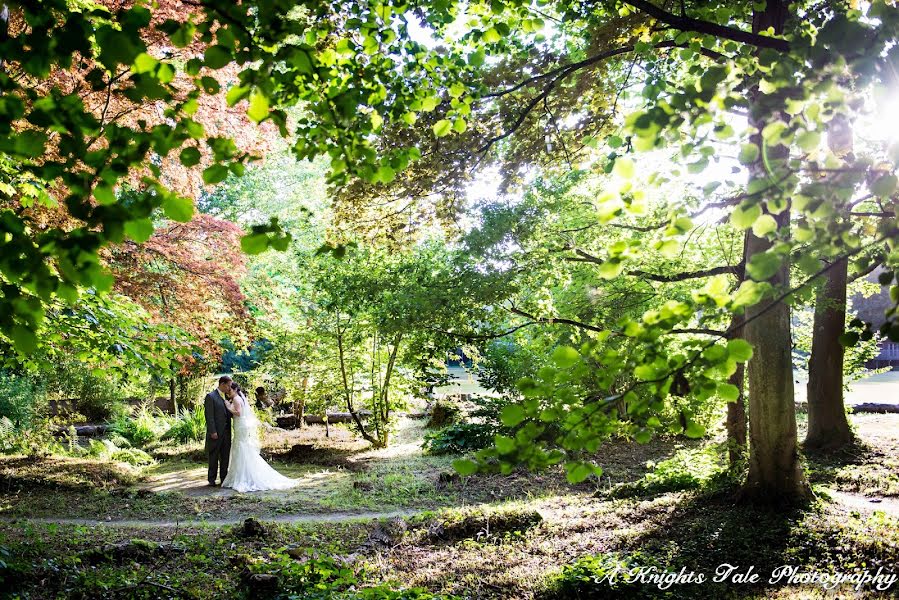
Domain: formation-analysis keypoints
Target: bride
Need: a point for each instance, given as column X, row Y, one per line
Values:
column 248, row 471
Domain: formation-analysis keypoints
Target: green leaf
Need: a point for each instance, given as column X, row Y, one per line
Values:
column 491, row 36
column 104, row 194
column 465, row 467
column 565, row 357
column 764, row 225
column 624, row 167
column 254, row 243
column 694, row 430
column 610, row 269
column 512, row 415
column 576, row 472
column 215, row 174
column 728, row 392
column 258, row 110
column 749, row 153
column 744, row 216
column 217, row 57
column 884, row 186
column 24, row 340
column 504, row 444
column 849, row 339
column 808, row 140
column 178, row 208
column 442, row 127
column 763, row 266
column 139, row 230
column 740, row 350
column 236, row 94
column 190, row 156
column 385, row 174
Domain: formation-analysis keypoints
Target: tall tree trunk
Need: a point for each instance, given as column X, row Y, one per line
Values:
column 828, row 428
column 736, row 410
column 348, row 393
column 775, row 474
column 4, row 27
column 173, row 398
column 299, row 406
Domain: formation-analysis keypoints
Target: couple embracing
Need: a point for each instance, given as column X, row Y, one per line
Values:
column 240, row 464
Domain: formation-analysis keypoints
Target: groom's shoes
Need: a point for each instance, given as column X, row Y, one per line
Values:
column 212, row 484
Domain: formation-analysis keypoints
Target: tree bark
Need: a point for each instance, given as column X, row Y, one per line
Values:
column 736, row 410
column 775, row 473
column 4, row 27
column 299, row 406
column 828, row 427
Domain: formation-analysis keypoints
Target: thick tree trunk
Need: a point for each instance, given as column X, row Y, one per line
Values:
column 775, row 474
column 736, row 410
column 828, row 428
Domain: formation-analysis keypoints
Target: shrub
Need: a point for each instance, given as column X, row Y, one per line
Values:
column 97, row 395
column 141, row 428
column 106, row 449
column 324, row 577
column 22, row 400
column 605, row 576
column 688, row 469
column 459, row 438
column 189, row 426
column 36, row 440
column 474, row 432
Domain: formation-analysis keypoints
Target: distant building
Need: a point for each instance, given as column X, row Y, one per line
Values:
column 871, row 310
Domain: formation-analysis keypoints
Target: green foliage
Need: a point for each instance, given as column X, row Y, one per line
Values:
column 189, row 426
column 320, row 576
column 140, row 428
column 476, row 431
column 688, row 469
column 108, row 450
column 36, row 440
column 22, row 399
column 609, row 575
column 459, row 438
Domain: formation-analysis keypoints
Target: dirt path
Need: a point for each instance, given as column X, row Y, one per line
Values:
column 334, row 517
column 865, row 504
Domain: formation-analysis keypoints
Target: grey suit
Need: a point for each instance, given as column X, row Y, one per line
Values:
column 218, row 420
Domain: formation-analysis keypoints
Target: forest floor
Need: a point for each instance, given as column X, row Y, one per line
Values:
column 402, row 517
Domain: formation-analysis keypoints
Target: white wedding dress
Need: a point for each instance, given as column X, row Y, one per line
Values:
column 248, row 471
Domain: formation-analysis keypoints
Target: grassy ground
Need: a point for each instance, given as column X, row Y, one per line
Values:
column 521, row 536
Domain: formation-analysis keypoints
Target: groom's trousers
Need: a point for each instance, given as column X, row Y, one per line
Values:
column 219, row 454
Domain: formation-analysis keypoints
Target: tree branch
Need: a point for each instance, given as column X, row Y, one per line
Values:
column 557, row 76
column 685, row 23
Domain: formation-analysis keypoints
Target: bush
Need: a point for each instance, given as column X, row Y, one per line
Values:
column 22, row 400
column 141, row 428
column 688, row 469
column 106, row 449
column 459, row 438
column 324, row 577
column 190, row 426
column 97, row 395
column 36, row 440
column 475, row 432
column 605, row 576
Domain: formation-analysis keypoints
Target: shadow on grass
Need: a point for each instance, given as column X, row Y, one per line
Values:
column 63, row 473
column 726, row 542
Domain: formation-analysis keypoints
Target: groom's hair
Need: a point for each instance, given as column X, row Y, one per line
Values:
column 224, row 379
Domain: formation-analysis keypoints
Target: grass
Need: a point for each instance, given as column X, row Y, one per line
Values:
column 518, row 536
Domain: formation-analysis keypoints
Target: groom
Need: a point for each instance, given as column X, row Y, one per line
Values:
column 218, row 429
